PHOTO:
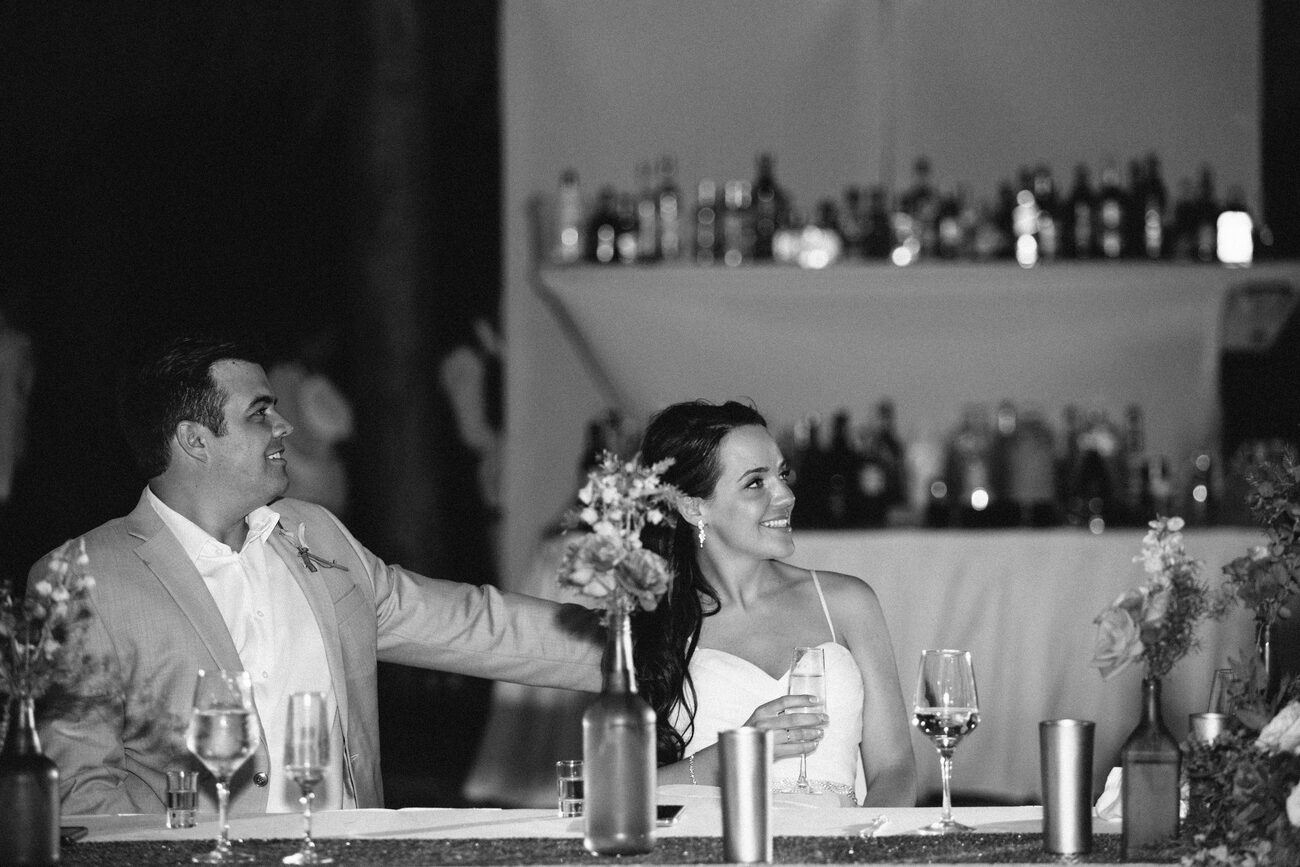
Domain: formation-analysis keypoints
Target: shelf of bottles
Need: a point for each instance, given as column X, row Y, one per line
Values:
column 1000, row 467
column 1031, row 221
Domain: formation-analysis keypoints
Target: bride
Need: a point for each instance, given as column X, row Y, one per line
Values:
column 715, row 654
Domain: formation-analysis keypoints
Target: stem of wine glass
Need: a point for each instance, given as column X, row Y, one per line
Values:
column 308, row 845
column 223, row 820
column 945, row 772
column 803, row 772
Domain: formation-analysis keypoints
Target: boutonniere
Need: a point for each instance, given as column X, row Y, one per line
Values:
column 310, row 560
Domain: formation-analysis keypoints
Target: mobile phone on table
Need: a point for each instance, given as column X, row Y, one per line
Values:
column 72, row 833
column 668, row 814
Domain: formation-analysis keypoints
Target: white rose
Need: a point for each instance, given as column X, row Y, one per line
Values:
column 1293, row 805
column 1282, row 734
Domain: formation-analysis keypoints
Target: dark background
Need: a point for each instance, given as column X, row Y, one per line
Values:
column 180, row 165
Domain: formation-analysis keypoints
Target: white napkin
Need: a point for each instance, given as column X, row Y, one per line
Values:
column 1110, row 806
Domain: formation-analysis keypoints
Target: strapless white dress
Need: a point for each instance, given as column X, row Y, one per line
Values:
column 728, row 689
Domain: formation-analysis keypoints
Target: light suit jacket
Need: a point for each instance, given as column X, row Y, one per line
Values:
column 156, row 624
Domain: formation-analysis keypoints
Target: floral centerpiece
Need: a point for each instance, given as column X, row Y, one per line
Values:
column 39, row 631
column 609, row 562
column 1155, row 623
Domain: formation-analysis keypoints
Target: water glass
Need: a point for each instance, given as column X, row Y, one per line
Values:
column 568, row 781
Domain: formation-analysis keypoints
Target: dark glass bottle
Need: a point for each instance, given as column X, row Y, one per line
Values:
column 1155, row 206
column 669, row 243
column 1049, row 213
column 1151, row 763
column 969, row 472
column 647, row 214
column 568, row 219
column 1080, row 216
column 851, row 222
column 602, row 228
column 811, row 481
column 877, row 233
column 29, row 794
column 770, row 207
column 618, row 752
column 1111, row 208
column 892, row 457
column 626, row 240
column 842, row 465
column 1207, row 216
column 921, row 204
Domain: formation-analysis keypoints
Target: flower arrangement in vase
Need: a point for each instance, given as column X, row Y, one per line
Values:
column 608, row 563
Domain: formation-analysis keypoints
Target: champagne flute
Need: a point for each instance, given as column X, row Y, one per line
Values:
column 807, row 677
column 946, row 709
column 223, row 734
column 306, row 757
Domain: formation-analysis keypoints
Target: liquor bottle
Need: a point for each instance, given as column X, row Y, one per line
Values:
column 626, row 239
column 921, row 204
column 811, row 476
column 603, row 228
column 877, row 235
column 952, row 240
column 568, row 219
column 843, row 494
column 669, row 243
column 1234, row 242
column 1097, row 488
column 1155, row 203
column 1207, row 216
column 1201, row 494
column 1067, row 460
column 1182, row 229
column 770, row 207
column 1110, row 213
column 1003, row 510
column 851, row 222
column 1049, row 217
column 707, row 224
column 1080, row 215
column 1031, row 471
column 647, row 214
column 1137, row 464
column 1024, row 220
column 1134, row 243
column 891, row 453
column 737, row 224
column 969, row 471
column 872, row 482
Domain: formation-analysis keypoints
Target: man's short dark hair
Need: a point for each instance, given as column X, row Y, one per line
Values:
column 167, row 384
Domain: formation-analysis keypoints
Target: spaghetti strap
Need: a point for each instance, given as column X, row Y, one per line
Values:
column 818, row 584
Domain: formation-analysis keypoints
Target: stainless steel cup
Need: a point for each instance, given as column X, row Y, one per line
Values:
column 1065, row 760
column 182, row 798
column 746, row 795
column 1206, row 727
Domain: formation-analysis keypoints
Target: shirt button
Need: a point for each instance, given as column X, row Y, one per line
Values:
column 261, row 779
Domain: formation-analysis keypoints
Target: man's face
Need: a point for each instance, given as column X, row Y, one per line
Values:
column 247, row 461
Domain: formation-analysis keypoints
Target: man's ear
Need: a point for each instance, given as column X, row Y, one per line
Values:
column 192, row 439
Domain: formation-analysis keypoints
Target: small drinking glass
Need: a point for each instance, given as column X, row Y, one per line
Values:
column 223, row 734
column 306, row 758
column 182, row 798
column 568, row 782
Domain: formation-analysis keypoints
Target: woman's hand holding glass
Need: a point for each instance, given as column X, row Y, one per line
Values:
column 795, row 730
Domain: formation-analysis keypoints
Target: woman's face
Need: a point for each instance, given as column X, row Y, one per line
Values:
column 749, row 509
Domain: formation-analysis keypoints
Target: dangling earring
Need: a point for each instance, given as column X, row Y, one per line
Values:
column 703, row 535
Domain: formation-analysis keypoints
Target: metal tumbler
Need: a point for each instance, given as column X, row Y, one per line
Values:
column 1206, row 727
column 746, row 795
column 1065, row 756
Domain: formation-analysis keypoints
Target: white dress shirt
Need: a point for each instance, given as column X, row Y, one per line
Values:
column 276, row 634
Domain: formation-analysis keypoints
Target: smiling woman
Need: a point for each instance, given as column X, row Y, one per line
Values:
column 716, row 655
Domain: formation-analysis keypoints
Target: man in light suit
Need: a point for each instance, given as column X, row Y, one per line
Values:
column 211, row 570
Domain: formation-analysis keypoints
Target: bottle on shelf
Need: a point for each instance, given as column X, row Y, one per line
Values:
column 707, row 224
column 873, row 471
column 1155, row 204
column 1096, row 486
column 602, row 230
column 851, row 222
column 1139, row 504
column 737, row 224
column 843, row 493
column 1049, row 215
column 951, row 232
column 669, row 245
column 1182, row 227
column 969, row 470
column 1133, row 226
column 1003, row 509
column 627, row 238
column 568, row 219
column 1111, row 207
column 1234, row 242
column 1024, row 221
column 1080, row 216
column 770, row 207
column 1031, row 476
column 810, row 476
column 892, row 455
column 1207, row 217
column 877, row 232
column 647, row 214
column 921, row 204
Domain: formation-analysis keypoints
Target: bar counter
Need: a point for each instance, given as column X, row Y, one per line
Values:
column 395, row 838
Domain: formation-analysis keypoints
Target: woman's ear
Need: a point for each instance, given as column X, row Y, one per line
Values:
column 689, row 508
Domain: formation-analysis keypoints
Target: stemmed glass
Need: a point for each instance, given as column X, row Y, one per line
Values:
column 1221, row 689
column 306, row 756
column 807, row 677
column 223, row 734
column 946, row 709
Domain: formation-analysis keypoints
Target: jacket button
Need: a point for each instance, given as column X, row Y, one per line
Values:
column 261, row 779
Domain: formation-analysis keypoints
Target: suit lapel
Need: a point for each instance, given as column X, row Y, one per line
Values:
column 163, row 555
column 316, row 588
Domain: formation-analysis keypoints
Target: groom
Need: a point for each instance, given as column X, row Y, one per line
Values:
column 211, row 570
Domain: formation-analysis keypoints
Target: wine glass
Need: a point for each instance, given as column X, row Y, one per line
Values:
column 946, row 708
column 807, row 677
column 1221, row 691
column 223, row 734
column 306, row 756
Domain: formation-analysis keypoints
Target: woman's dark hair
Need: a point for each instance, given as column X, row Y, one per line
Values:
column 664, row 640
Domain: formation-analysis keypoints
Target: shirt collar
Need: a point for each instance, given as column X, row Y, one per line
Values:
column 197, row 542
